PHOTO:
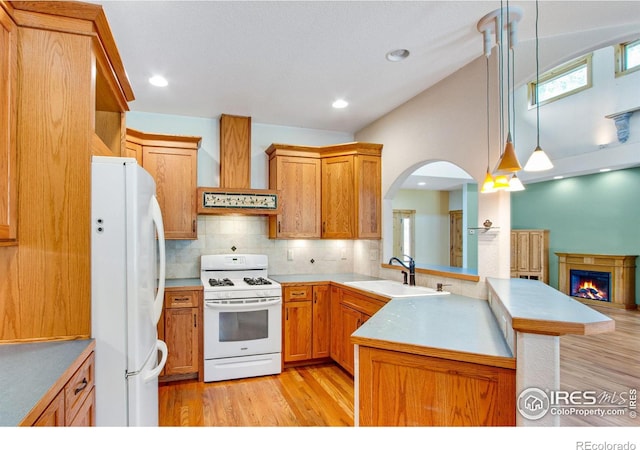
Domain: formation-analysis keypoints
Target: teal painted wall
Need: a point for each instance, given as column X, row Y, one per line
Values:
column 589, row 214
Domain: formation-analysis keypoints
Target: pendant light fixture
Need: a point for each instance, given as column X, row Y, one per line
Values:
column 508, row 162
column 487, row 186
column 515, row 184
column 538, row 161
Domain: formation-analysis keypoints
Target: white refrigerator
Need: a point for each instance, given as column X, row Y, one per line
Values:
column 127, row 290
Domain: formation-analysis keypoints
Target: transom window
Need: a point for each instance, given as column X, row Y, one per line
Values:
column 562, row 81
column 627, row 57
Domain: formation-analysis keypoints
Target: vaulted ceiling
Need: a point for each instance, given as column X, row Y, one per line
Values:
column 285, row 62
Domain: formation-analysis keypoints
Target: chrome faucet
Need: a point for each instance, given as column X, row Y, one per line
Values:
column 411, row 267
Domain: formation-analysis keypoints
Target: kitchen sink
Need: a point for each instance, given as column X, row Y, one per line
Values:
column 394, row 289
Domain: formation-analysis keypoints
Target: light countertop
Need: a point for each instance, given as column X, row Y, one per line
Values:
column 182, row 282
column 445, row 326
column 28, row 371
column 321, row 278
column 535, row 307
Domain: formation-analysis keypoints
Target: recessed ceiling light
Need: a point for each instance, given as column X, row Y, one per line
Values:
column 340, row 103
column 158, row 80
column 558, row 177
column 397, row 55
column 605, row 170
column 422, row 183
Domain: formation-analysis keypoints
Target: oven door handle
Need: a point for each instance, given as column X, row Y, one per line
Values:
column 243, row 306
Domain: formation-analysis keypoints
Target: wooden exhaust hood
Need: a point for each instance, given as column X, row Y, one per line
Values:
column 235, row 196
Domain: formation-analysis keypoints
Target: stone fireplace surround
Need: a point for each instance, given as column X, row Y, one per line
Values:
column 621, row 267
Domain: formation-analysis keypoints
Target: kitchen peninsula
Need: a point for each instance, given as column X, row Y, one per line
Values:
column 453, row 360
column 443, row 359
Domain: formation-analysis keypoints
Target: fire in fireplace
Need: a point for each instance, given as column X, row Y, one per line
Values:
column 590, row 284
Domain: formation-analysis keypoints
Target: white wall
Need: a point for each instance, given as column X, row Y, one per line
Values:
column 431, row 223
column 447, row 122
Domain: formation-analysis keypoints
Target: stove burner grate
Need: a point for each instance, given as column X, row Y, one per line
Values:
column 223, row 282
column 256, row 281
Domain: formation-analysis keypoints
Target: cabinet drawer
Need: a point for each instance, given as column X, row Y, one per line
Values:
column 181, row 299
column 78, row 388
column 360, row 303
column 297, row 293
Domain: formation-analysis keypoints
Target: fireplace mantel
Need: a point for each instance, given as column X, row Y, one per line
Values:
column 621, row 267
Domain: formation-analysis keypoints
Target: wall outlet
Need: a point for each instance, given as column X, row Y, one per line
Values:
column 290, row 254
column 472, row 231
column 373, row 255
column 343, row 253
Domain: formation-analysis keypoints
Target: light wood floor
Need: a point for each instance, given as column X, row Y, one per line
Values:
column 322, row 395
column 608, row 362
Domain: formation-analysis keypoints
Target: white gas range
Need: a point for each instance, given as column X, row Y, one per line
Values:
column 242, row 317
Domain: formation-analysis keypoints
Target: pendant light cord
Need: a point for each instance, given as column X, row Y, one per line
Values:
column 508, row 74
column 488, row 127
column 537, row 83
column 501, row 77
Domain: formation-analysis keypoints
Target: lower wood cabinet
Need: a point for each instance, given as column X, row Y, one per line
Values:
column 403, row 389
column 306, row 322
column 349, row 310
column 74, row 404
column 181, row 328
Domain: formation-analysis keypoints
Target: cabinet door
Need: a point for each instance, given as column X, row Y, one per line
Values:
column 133, row 150
column 338, row 198
column 350, row 320
column 336, row 324
column 514, row 252
column 53, row 416
column 536, row 244
column 181, row 337
column 235, row 151
column 298, row 180
column 369, row 179
column 175, row 173
column 523, row 252
column 8, row 161
column 86, row 416
column 321, row 336
column 297, row 331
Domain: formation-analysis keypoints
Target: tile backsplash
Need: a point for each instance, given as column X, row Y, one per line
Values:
column 249, row 234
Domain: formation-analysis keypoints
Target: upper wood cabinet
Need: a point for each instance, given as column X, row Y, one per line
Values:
column 63, row 95
column 331, row 192
column 298, row 181
column 368, row 173
column 235, row 152
column 338, row 197
column 172, row 161
column 8, row 161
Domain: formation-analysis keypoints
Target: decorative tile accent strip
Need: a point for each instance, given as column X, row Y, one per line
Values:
column 231, row 200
